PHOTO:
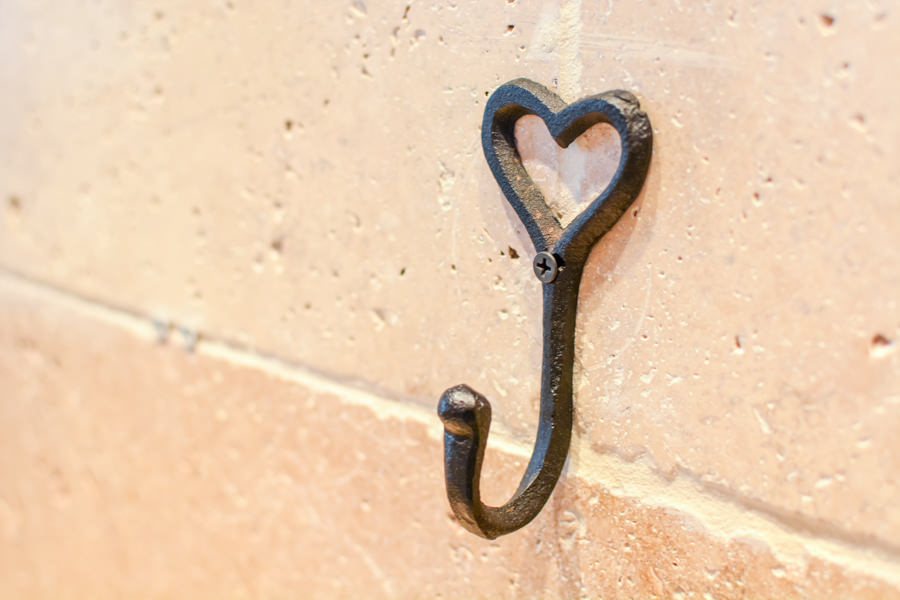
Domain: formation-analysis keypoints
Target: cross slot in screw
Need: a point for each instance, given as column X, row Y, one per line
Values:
column 545, row 267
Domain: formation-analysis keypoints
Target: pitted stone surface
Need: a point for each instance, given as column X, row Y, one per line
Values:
column 309, row 184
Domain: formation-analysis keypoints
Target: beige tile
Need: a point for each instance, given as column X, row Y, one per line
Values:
column 735, row 329
column 133, row 468
column 308, row 181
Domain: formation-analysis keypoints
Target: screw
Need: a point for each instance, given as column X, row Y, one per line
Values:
column 545, row 266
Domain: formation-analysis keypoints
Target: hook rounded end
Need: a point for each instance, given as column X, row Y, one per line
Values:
column 462, row 410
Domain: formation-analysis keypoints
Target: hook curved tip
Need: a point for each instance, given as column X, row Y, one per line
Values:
column 463, row 410
column 466, row 417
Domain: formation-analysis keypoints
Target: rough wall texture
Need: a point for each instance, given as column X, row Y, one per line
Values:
column 245, row 246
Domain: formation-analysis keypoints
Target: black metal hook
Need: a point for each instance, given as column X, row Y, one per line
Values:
column 561, row 253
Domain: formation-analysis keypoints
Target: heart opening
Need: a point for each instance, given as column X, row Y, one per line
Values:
column 568, row 178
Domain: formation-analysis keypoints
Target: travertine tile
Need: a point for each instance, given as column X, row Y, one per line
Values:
column 308, row 181
column 132, row 468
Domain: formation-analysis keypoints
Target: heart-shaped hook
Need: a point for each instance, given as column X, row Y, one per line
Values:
column 565, row 122
column 561, row 252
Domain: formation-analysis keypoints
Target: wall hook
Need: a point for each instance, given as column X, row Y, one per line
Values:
column 558, row 263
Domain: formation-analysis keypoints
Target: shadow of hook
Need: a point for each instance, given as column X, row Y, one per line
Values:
column 466, row 414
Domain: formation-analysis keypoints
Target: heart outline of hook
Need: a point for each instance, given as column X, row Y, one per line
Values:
column 465, row 413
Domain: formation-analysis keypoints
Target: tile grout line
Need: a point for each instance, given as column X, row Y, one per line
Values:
column 721, row 515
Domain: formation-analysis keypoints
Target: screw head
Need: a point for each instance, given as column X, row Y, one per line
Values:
column 545, row 266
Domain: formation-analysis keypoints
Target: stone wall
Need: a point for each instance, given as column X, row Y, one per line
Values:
column 244, row 247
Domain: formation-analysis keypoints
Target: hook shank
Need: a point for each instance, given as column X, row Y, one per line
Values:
column 467, row 418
